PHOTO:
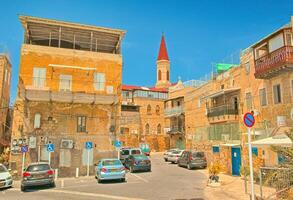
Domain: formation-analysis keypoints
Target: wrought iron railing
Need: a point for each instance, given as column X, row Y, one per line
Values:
column 222, row 110
column 174, row 110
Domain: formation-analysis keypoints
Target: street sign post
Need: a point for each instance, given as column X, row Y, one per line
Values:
column 249, row 122
column 88, row 146
column 50, row 148
column 118, row 145
column 23, row 149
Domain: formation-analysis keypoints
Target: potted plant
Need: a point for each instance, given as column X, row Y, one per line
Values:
column 214, row 170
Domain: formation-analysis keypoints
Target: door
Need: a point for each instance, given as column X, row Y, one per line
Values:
column 180, row 143
column 236, row 160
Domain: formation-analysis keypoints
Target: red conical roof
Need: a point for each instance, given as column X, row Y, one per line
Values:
column 163, row 55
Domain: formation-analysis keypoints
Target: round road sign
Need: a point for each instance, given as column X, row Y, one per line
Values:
column 249, row 119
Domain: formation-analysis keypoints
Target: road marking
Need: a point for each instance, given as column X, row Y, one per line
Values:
column 92, row 194
column 139, row 177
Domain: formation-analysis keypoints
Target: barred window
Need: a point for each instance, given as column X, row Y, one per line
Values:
column 263, row 97
column 159, row 129
column 81, row 124
column 99, row 81
column 147, row 129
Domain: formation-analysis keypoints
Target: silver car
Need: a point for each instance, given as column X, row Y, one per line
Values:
column 5, row 177
column 37, row 174
column 174, row 156
column 166, row 154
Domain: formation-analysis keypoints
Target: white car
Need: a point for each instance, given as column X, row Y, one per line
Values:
column 5, row 177
column 174, row 156
column 166, row 154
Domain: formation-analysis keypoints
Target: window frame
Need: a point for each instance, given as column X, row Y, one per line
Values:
column 81, row 125
column 38, row 80
column 273, row 96
column 260, row 97
column 99, row 81
column 62, row 78
column 159, row 129
column 147, row 129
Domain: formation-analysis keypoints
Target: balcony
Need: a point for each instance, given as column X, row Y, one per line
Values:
column 221, row 110
column 173, row 111
column 66, row 96
column 176, row 130
column 280, row 60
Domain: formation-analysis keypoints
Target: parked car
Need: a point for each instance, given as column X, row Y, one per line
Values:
column 145, row 148
column 174, row 156
column 138, row 162
column 192, row 159
column 168, row 152
column 125, row 152
column 37, row 174
column 110, row 169
column 5, row 177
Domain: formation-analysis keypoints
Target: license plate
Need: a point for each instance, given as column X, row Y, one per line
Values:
column 113, row 170
column 39, row 176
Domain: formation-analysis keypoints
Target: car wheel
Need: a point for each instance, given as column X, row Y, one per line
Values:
column 188, row 166
column 165, row 159
column 53, row 185
column 99, row 180
column 123, row 180
column 172, row 162
column 22, row 188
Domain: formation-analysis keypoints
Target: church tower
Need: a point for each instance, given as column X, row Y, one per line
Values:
column 163, row 66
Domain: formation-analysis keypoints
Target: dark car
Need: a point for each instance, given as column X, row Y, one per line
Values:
column 138, row 162
column 192, row 159
column 37, row 174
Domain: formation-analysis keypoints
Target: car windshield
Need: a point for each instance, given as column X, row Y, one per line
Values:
column 135, row 151
column 111, row 162
column 2, row 169
column 39, row 167
column 140, row 157
column 198, row 154
column 176, row 152
column 124, row 152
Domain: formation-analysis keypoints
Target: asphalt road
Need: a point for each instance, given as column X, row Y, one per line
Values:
column 166, row 181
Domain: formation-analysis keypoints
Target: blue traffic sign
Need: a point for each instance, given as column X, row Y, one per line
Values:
column 117, row 143
column 24, row 149
column 88, row 145
column 249, row 119
column 50, row 147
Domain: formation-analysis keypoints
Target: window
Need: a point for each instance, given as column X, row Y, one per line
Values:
column 65, row 82
column 247, row 67
column 248, row 101
column 149, row 110
column 159, row 75
column 289, row 39
column 276, row 43
column 99, row 81
column 263, row 97
column 222, row 87
column 5, row 76
column 216, row 149
column 277, row 94
column 81, row 124
column 39, row 77
column 8, row 79
column 254, row 151
column 147, row 129
column 37, row 121
column 157, row 109
column 168, row 75
column 199, row 103
column 159, row 128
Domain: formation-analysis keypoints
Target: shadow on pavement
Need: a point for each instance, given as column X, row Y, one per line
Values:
column 37, row 188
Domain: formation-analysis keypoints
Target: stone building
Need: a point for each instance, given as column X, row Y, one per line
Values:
column 69, row 92
column 5, row 80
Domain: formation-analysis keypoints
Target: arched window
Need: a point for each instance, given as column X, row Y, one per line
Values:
column 159, row 129
column 159, row 75
column 149, row 110
column 157, row 109
column 168, row 75
column 37, row 120
column 147, row 129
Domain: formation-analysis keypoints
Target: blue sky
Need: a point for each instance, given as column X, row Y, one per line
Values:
column 197, row 33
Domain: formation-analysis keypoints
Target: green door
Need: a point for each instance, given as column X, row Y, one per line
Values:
column 180, row 144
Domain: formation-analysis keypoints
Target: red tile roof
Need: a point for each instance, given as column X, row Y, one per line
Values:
column 163, row 54
column 154, row 89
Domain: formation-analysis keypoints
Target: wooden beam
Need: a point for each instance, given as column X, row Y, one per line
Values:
column 91, row 41
column 59, row 39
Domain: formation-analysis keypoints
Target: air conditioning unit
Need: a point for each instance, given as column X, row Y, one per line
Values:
column 66, row 144
column 225, row 137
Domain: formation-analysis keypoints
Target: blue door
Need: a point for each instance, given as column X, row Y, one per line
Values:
column 236, row 160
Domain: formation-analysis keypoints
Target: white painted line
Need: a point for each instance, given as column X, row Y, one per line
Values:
column 139, row 177
column 92, row 194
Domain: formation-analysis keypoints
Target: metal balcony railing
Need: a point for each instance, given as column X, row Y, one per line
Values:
column 221, row 110
column 174, row 110
column 176, row 129
column 273, row 60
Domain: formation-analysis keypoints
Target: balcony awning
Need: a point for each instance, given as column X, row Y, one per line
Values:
column 221, row 92
column 278, row 140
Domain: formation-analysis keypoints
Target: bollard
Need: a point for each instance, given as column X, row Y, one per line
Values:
column 56, row 174
column 62, row 183
column 77, row 172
